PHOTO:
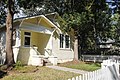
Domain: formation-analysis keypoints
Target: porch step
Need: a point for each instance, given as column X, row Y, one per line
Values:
column 47, row 62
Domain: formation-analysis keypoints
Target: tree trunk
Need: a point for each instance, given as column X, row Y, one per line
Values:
column 76, row 48
column 9, row 34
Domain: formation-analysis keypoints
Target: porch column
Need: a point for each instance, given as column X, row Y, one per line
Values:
column 16, row 48
column 18, row 40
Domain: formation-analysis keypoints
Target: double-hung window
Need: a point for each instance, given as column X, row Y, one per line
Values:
column 64, row 41
column 27, row 36
column 67, row 41
column 61, row 40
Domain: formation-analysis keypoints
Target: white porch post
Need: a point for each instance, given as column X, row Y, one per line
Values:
column 17, row 45
column 18, row 40
column 52, row 58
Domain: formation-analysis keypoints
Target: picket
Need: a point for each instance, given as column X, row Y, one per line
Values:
column 80, row 77
column 109, row 71
column 77, row 78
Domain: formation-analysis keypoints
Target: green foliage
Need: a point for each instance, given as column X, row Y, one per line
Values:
column 116, row 26
column 82, row 66
column 43, row 73
column 18, row 65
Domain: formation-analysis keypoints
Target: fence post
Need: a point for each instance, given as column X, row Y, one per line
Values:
column 80, row 77
column 88, row 74
column 77, row 78
column 73, row 78
column 83, row 77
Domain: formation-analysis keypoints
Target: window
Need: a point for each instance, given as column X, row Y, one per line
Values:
column 27, row 39
column 61, row 40
column 64, row 41
column 67, row 41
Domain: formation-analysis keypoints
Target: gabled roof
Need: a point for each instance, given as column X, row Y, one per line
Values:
column 30, row 17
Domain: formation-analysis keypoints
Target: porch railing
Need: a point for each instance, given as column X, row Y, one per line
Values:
column 38, row 53
column 49, row 51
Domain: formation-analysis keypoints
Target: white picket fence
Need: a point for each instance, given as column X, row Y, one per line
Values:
column 109, row 71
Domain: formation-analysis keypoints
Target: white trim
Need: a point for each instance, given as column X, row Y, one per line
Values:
column 18, row 39
column 39, row 21
column 64, row 43
column 51, row 22
column 21, row 23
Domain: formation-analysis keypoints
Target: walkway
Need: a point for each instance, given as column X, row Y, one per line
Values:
column 68, row 69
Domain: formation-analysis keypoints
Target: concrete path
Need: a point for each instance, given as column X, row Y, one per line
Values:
column 68, row 69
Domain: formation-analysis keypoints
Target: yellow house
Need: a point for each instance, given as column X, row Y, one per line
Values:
column 34, row 41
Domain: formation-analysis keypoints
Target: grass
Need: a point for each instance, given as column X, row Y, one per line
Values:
column 37, row 73
column 87, row 66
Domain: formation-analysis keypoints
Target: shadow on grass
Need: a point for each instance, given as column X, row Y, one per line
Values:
column 2, row 74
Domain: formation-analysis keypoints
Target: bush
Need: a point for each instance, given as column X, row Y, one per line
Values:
column 18, row 65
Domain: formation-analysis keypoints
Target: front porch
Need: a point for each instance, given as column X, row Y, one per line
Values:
column 34, row 42
column 35, row 48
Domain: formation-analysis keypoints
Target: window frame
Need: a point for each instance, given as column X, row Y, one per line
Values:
column 25, row 35
column 64, row 41
column 67, row 37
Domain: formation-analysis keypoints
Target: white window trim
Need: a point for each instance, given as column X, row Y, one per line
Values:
column 24, row 39
column 64, row 43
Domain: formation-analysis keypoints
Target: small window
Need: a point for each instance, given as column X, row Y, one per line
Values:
column 27, row 36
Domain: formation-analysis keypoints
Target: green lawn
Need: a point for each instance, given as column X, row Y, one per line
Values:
column 37, row 73
column 87, row 66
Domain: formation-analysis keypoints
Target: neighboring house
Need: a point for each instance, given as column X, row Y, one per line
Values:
column 36, row 37
column 107, row 44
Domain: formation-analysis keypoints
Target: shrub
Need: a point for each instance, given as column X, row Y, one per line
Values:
column 18, row 65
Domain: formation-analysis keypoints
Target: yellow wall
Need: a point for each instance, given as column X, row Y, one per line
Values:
column 39, row 40
column 43, row 42
column 40, row 21
column 44, row 23
column 35, row 39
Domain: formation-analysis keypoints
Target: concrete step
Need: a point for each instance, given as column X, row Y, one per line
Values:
column 46, row 60
column 48, row 64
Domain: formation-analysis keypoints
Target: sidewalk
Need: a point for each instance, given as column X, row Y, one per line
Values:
column 68, row 69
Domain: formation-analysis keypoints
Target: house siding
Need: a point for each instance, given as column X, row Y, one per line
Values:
column 63, row 55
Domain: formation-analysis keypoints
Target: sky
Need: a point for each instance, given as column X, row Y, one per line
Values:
column 111, row 5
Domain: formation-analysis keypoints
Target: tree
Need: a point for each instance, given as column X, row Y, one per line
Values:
column 9, row 32
column 93, row 25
